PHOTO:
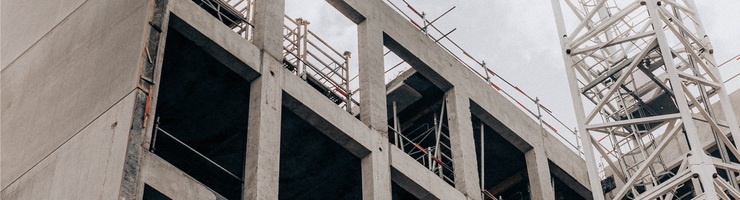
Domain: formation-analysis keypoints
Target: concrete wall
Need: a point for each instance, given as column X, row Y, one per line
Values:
column 87, row 166
column 65, row 65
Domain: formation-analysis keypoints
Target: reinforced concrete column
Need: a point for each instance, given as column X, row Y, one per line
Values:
column 262, row 166
column 268, row 26
column 462, row 143
column 371, row 75
column 376, row 174
column 538, row 170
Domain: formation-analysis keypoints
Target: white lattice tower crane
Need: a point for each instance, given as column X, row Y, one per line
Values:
column 642, row 77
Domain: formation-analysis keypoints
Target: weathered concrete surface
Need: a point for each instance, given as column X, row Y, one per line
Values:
column 25, row 22
column 462, row 143
column 170, row 181
column 263, row 135
column 539, row 174
column 376, row 174
column 67, row 79
column 87, row 166
column 371, row 74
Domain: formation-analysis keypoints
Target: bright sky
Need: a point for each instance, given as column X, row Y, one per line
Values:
column 518, row 39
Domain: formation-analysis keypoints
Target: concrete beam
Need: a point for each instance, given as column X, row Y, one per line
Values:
column 263, row 134
column 216, row 38
column 325, row 116
column 462, row 143
column 172, row 182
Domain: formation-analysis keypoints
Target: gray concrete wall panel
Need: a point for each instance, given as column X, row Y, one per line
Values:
column 69, row 78
column 27, row 21
column 88, row 166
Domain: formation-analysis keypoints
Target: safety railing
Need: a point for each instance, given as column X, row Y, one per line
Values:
column 493, row 79
column 236, row 14
column 317, row 62
column 436, row 155
column 433, row 157
column 164, row 142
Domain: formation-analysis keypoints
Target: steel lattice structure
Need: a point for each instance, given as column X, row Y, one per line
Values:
column 648, row 77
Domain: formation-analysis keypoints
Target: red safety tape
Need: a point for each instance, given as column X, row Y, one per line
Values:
column 412, row 9
column 489, row 71
column 341, row 92
column 520, row 104
column 602, row 138
column 496, row 87
column 553, row 128
column 438, row 161
column 415, row 24
column 420, row 147
column 520, row 90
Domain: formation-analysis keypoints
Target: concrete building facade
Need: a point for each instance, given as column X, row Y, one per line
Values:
column 158, row 99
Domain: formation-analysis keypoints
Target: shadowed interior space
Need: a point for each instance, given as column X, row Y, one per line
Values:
column 505, row 168
column 201, row 115
column 313, row 166
column 562, row 190
column 420, row 115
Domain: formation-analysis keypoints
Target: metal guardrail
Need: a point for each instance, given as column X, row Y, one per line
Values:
column 237, row 14
column 313, row 59
column 432, row 157
column 158, row 132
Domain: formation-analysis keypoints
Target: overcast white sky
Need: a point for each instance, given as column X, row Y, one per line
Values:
column 518, row 38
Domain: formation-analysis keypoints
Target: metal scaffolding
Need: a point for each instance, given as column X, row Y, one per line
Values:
column 647, row 73
column 436, row 156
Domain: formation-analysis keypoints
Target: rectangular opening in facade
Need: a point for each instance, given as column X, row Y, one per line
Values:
column 320, row 52
column 417, row 121
column 201, row 117
column 312, row 165
column 565, row 186
column 501, row 165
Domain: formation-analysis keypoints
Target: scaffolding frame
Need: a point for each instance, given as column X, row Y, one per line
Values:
column 433, row 157
column 635, row 56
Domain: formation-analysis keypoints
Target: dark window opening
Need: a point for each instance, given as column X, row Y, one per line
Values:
column 313, row 166
column 504, row 168
column 201, row 115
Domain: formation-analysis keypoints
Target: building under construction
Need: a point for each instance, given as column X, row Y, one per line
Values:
column 233, row 99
